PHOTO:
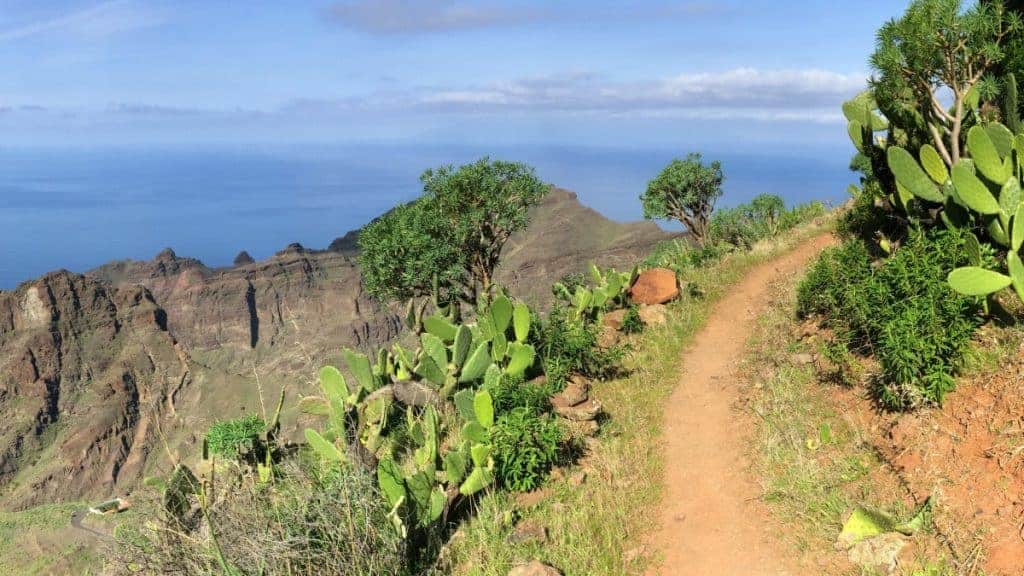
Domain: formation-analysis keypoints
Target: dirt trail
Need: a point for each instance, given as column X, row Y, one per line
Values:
column 712, row 521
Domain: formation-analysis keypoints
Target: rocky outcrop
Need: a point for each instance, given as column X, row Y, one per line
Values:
column 86, row 372
column 92, row 366
column 243, row 259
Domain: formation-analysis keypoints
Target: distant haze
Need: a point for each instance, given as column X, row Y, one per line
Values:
column 79, row 208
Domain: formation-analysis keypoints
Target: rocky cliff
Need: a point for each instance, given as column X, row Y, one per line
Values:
column 104, row 375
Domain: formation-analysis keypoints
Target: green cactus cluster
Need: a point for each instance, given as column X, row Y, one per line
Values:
column 449, row 372
column 981, row 192
column 421, row 491
column 609, row 290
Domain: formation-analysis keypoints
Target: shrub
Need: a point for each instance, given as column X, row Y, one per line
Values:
column 526, row 447
column 453, row 234
column 735, row 226
column 225, row 437
column 567, row 344
column 571, row 281
column 513, row 393
column 303, row 525
column 902, row 310
column 679, row 255
column 631, row 323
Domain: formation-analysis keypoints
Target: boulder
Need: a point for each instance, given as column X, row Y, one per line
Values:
column 575, row 392
column 653, row 315
column 534, row 568
column 655, row 286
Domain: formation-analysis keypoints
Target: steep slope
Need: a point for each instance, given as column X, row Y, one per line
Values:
column 91, row 366
column 563, row 237
column 86, row 372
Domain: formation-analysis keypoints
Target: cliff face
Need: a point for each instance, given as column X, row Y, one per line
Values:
column 86, row 371
column 92, row 366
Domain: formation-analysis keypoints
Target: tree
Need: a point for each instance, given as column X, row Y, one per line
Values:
column 767, row 209
column 686, row 191
column 451, row 236
column 938, row 48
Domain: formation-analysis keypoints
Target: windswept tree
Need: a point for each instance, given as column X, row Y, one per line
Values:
column 933, row 65
column 685, row 190
column 453, row 235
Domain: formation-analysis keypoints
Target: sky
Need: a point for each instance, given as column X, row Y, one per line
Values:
column 751, row 73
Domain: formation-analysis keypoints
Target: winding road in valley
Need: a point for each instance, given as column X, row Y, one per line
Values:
column 712, row 520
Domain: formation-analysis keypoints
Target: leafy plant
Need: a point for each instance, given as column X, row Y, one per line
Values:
column 685, row 190
column 513, row 393
column 226, row 437
column 900, row 309
column 568, row 344
column 631, row 322
column 454, row 232
column 526, row 446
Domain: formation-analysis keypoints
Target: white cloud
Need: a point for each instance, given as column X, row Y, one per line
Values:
column 811, row 95
column 97, row 21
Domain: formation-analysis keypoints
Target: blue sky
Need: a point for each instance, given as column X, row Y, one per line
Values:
column 589, row 72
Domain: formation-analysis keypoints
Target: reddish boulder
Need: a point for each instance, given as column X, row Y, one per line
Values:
column 655, row 286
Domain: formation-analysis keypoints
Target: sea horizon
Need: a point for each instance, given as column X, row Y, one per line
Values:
column 78, row 207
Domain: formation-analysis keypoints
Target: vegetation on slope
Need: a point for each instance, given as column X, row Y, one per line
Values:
column 425, row 434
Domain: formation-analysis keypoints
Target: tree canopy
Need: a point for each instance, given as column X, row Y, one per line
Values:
column 685, row 190
column 452, row 235
column 937, row 51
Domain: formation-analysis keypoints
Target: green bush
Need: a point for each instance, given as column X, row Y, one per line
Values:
column 568, row 345
column 526, row 447
column 514, row 393
column 735, row 226
column 900, row 309
column 680, row 255
column 631, row 322
column 225, row 437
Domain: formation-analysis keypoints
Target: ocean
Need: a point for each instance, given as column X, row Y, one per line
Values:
column 77, row 208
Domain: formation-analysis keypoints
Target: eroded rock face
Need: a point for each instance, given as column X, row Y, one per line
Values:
column 85, row 371
column 91, row 366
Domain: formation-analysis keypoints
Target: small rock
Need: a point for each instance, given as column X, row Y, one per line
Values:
column 578, row 478
column 574, row 393
column 614, row 318
column 655, row 286
column 879, row 553
column 534, row 568
column 653, row 315
column 582, row 412
column 529, row 531
column 608, row 337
